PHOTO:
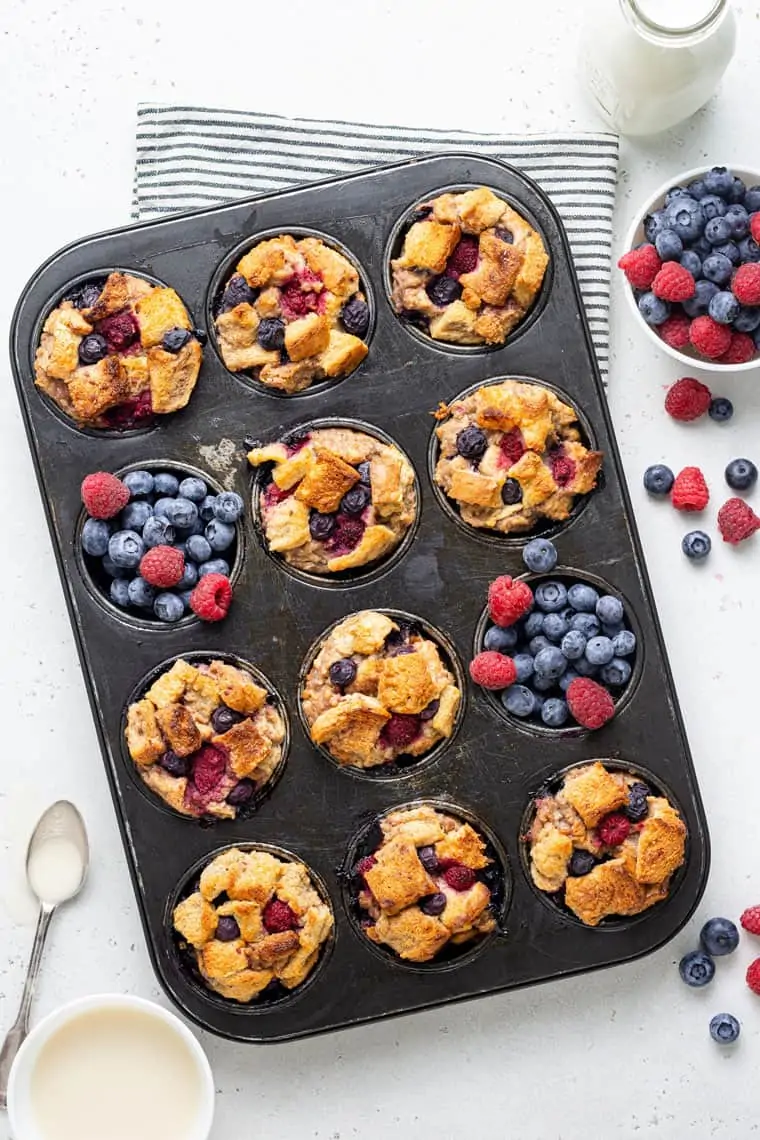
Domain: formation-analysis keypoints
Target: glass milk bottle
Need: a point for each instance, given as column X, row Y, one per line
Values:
column 649, row 64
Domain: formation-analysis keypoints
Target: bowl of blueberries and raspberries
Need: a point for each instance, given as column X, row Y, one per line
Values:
column 692, row 265
column 160, row 543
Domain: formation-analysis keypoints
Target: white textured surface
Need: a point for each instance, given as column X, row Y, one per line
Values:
column 624, row 1053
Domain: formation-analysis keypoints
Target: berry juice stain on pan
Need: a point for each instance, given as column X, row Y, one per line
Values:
column 316, row 810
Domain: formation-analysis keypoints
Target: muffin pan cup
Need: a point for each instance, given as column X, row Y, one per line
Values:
column 490, row 769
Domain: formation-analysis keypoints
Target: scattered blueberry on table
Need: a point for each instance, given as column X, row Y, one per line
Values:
column 724, row 1028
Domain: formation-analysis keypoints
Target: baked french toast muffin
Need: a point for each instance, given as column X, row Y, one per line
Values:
column 606, row 843
column 378, row 690
column 255, row 921
column 294, row 312
column 338, row 499
column 117, row 352
column 511, row 457
column 470, row 268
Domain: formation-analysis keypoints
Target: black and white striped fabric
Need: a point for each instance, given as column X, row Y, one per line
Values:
column 191, row 157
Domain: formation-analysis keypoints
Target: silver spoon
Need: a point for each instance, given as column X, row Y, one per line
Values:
column 56, row 865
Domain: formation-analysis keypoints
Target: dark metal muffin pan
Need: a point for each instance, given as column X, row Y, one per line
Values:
column 490, row 769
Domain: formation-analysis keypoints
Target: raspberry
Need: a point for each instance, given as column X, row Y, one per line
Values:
column 746, row 284
column 493, row 670
column 675, row 330
column 613, row 829
column 673, row 283
column 740, row 350
column 464, row 258
column 750, row 919
column 687, row 399
column 512, row 446
column 300, row 296
column 737, row 521
column 365, row 864
column 690, row 491
column 754, row 226
column 459, row 877
column 591, row 705
column 211, row 598
column 562, row 468
column 346, row 535
column 753, row 976
column 400, row 730
column 278, row 917
column 209, row 767
column 273, row 495
column 641, row 266
column 131, row 412
column 508, row 600
column 120, row 331
column 103, row 495
column 709, row 338
column 163, row 566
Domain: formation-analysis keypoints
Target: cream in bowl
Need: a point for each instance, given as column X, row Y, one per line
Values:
column 111, row 1067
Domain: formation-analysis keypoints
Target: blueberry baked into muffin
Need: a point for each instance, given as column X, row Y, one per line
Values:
column 470, row 268
column 511, row 456
column 337, row 499
column 425, row 886
column 206, row 738
column 606, row 843
column 293, row 313
column 117, row 352
column 254, row 922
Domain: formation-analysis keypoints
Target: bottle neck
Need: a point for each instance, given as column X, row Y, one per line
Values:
column 674, row 23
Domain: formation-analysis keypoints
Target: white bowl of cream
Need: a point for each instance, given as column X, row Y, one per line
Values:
column 111, row 1066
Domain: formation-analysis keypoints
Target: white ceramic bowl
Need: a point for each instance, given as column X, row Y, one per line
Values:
column 687, row 357
column 20, row 1111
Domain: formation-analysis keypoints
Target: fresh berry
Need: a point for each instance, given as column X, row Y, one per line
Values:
column 533, row 625
column 746, row 284
column 749, row 318
column 724, row 308
column 721, row 410
column 653, row 224
column 493, row 670
column 573, row 645
column 119, row 592
column 741, row 474
column 228, row 506
column 583, row 598
column 675, row 330
column 278, row 917
column 741, row 349
column 613, row 829
column 537, row 644
column 719, row 936
column 637, row 807
column 551, row 597
column 508, row 600
column 342, row 672
column 198, row 548
column 135, row 515
column 555, row 627
column 182, row 513
column 690, row 491
column 193, row 489
column 174, row 340
column 549, row 663
column 211, row 598
column 500, row 640
column 730, row 250
column 540, row 555
column 355, row 316
column 691, row 260
column 737, row 521
column 519, row 700
column 754, row 224
column 581, row 863
column 554, row 712
column 523, row 663
column 471, row 442
column 673, row 283
column 219, row 535
column 724, row 1028
column 749, row 250
column 718, row 181
column 642, row 265
column 696, row 545
column 591, row 705
column 158, row 531
column 658, row 479
column 166, row 484
column 599, row 650
column 95, row 536
column 709, row 337
column 126, row 548
column 624, row 643
column 753, row 976
column 104, row 495
column 738, row 190
column 168, row 607
column 162, row 566
column 400, row 730
column 214, row 566
column 713, row 207
column 718, row 231
column 459, row 877
column 686, row 217
column 696, row 968
column 434, row 904
column 609, row 609
column 717, row 269
column 750, row 919
column 141, row 594
column 443, row 290
column 464, row 258
column 653, row 310
column 668, row 245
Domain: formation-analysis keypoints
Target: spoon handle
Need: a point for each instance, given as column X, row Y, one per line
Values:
column 20, row 1027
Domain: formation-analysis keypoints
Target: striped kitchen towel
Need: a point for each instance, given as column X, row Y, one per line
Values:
column 191, row 157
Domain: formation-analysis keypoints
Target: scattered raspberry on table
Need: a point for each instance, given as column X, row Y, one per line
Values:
column 687, row 399
column 737, row 521
column 690, row 491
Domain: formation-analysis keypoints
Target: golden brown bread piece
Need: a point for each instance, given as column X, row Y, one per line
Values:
column 326, row 482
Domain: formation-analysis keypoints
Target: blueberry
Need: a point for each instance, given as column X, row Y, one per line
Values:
column 686, row 217
column 365, row 472
column 719, row 936
column 747, row 320
column 182, row 513
column 737, row 191
column 174, row 340
column 540, row 555
column 573, row 644
column 135, row 515
column 139, row 483
column 599, row 650
column 430, row 710
column 355, row 316
column 616, row 672
column 658, row 479
column 724, row 308
column 581, row 862
column 696, row 968
column 95, row 536
column 321, row 526
column 206, row 508
column 87, row 295
column 158, row 531
column 719, row 181
column 119, row 592
column 342, row 672
column 701, row 246
column 428, row 858
column 165, row 484
column 443, row 291
column 609, row 609
column 141, row 593
column 500, row 640
column 168, row 607
column 752, row 199
column 112, row 570
column 538, row 703
column 587, row 624
column 669, row 245
column 585, row 667
column 219, row 535
column 198, row 548
column 637, row 807
column 741, row 474
column 223, row 718
column 611, row 628
column 193, row 489
column 653, row 310
column 543, row 685
column 237, row 292
column 534, row 624
column 471, row 442
column 227, row 929
column 271, row 334
column 185, row 596
column 555, row 627
column 738, row 219
column 713, row 207
column 92, row 348
column 567, row 679
column 583, row 598
column 518, row 700
column 653, row 223
column 126, row 548
column 189, row 577
column 175, row 765
column 554, row 712
column 214, row 566
column 228, row 507
column 693, row 262
column 697, row 189
column 241, row 793
column 550, row 597
column 624, row 643
column 355, row 500
column 704, row 291
column 511, row 492
column 523, row 663
column 162, row 508
column 676, row 192
column 433, row 904
column 539, row 642
column 549, row 664
column 718, row 231
column 749, row 250
column 724, row 1028
column 730, row 250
